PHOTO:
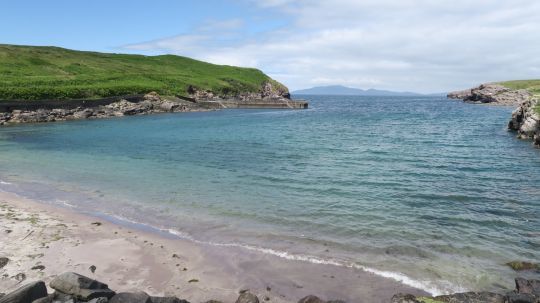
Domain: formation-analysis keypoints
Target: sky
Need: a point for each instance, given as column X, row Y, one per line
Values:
column 427, row 46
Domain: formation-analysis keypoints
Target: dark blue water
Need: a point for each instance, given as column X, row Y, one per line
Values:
column 430, row 191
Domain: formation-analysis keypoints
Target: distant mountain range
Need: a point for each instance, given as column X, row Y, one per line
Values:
column 349, row 91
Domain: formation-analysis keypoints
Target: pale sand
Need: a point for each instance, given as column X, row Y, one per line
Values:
column 130, row 259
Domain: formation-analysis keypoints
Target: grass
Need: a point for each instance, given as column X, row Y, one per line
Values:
column 532, row 86
column 41, row 72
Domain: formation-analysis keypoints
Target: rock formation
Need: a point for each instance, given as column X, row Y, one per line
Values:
column 526, row 120
column 152, row 103
column 493, row 94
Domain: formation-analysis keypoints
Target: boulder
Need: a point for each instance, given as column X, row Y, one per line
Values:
column 472, row 297
column 524, row 286
column 80, row 287
column 26, row 294
column 168, row 106
column 521, row 298
column 311, row 299
column 99, row 300
column 131, row 297
column 47, row 299
column 404, row 298
column 247, row 297
column 167, row 300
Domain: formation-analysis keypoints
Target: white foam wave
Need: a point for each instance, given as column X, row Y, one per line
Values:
column 428, row 286
column 5, row 183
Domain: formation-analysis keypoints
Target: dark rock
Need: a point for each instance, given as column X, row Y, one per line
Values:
column 472, row 297
column 247, row 297
column 61, row 297
column 167, row 300
column 514, row 297
column 131, row 297
column 80, row 287
column 92, row 268
column 27, row 293
column 99, row 300
column 3, row 261
column 404, row 298
column 524, row 286
column 20, row 277
column 311, row 299
column 47, row 299
column 38, row 267
column 213, row 301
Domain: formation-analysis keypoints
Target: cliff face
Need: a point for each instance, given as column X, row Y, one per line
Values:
column 525, row 118
column 526, row 121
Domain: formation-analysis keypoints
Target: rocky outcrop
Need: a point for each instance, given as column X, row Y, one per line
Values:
column 152, row 103
column 268, row 91
column 526, row 120
column 270, row 96
column 493, row 94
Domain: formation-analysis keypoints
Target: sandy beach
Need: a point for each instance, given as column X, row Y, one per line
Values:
column 42, row 241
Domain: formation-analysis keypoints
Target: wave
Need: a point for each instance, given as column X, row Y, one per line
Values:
column 426, row 285
column 4, row 182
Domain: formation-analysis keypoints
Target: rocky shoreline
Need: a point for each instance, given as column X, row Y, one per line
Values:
column 151, row 103
column 525, row 118
column 70, row 287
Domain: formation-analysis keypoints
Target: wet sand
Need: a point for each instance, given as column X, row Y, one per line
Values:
column 131, row 258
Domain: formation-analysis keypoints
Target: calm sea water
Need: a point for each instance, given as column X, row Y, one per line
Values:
column 430, row 191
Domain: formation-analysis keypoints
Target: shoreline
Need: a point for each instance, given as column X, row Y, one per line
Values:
column 131, row 258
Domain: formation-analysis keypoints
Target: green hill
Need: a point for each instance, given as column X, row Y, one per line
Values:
column 37, row 72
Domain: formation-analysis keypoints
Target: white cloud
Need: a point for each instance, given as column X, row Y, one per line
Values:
column 417, row 45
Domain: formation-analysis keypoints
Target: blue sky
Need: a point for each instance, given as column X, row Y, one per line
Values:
column 414, row 45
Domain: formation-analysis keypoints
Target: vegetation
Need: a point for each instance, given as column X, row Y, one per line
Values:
column 531, row 85
column 36, row 72
column 428, row 300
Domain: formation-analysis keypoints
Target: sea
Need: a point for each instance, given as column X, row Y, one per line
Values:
column 432, row 192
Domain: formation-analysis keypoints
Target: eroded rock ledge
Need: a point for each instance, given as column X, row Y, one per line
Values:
column 493, row 94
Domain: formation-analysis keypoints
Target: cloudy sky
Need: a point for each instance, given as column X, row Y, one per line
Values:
column 414, row 45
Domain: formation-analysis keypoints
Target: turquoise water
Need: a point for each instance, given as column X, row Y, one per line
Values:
column 429, row 191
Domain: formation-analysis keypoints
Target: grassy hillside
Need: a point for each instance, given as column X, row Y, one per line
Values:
column 30, row 72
